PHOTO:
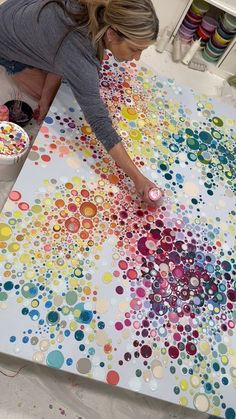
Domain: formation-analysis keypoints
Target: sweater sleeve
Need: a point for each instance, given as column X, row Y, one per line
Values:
column 81, row 71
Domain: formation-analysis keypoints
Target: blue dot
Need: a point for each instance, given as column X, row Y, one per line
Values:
column 25, row 339
column 69, row 361
column 12, row 339
column 71, row 109
column 225, row 381
column 48, row 120
column 67, row 333
column 48, row 304
column 81, row 347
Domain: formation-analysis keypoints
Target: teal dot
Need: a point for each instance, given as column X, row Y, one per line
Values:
column 193, row 143
column 79, row 335
column 194, row 201
column 176, row 390
column 71, row 298
column 163, row 166
column 174, row 148
column 138, row 373
column 230, row 413
column 55, row 359
column 189, row 132
column 8, row 286
column 168, row 176
column 205, row 137
column 52, row 317
column 192, row 156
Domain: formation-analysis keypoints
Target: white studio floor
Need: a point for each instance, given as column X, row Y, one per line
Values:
column 38, row 392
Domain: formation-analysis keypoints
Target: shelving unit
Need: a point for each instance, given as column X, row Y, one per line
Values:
column 218, row 6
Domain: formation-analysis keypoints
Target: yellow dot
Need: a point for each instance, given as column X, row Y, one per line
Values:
column 73, row 326
column 76, row 313
column 13, row 247
column 107, row 277
column 184, row 385
column 224, row 360
column 5, row 232
column 183, row 401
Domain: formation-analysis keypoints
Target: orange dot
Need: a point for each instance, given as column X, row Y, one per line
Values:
column 113, row 179
column 59, row 203
column 113, row 378
column 84, row 235
column 88, row 209
column 86, row 290
column 87, row 224
column 69, row 185
column 107, row 348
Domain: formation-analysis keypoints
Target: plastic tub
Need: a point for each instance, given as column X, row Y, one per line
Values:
column 186, row 30
column 209, row 23
column 215, row 49
column 223, row 27
column 200, row 7
column 192, row 16
column 189, row 25
column 202, row 33
column 208, row 58
column 219, row 39
column 223, row 34
column 229, row 22
column 14, row 146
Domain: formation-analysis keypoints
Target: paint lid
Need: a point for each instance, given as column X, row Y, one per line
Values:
column 14, row 142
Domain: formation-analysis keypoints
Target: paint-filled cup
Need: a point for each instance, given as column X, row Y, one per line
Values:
column 14, row 145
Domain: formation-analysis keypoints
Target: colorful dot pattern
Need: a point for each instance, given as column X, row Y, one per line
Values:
column 95, row 282
column 13, row 140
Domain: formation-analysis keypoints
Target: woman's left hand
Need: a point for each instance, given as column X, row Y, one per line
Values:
column 143, row 186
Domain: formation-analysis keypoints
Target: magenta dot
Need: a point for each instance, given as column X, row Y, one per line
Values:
column 177, row 337
column 127, row 322
column 173, row 352
column 191, row 348
column 118, row 326
column 140, row 292
column 146, row 351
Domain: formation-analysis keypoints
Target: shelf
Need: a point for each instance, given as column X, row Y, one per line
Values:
column 228, row 6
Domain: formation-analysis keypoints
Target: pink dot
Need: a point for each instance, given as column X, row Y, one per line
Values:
column 15, row 195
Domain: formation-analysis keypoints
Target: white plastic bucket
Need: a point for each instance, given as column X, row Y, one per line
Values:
column 14, row 145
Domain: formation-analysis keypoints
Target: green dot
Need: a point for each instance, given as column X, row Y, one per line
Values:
column 217, row 121
column 71, row 298
column 3, row 296
column 222, row 348
column 29, row 290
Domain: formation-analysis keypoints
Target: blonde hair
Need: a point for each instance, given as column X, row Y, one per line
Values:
column 135, row 20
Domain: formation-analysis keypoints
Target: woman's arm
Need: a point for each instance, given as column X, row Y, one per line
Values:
column 142, row 184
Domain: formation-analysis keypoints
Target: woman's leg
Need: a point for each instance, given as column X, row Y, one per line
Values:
column 40, row 85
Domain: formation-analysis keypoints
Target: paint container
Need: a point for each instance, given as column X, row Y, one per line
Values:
column 14, row 145
column 191, row 52
column 155, row 194
column 4, row 113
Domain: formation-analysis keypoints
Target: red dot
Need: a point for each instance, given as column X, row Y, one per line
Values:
column 45, row 157
column 23, row 206
column 113, row 378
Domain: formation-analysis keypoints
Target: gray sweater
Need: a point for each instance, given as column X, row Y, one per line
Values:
column 24, row 39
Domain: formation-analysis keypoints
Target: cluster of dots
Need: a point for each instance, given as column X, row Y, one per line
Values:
column 172, row 271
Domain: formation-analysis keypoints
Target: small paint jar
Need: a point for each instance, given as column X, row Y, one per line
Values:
column 4, row 113
column 155, row 194
column 14, row 145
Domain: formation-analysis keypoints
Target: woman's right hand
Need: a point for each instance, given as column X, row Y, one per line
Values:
column 143, row 186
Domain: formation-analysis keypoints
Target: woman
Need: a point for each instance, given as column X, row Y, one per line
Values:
column 43, row 41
